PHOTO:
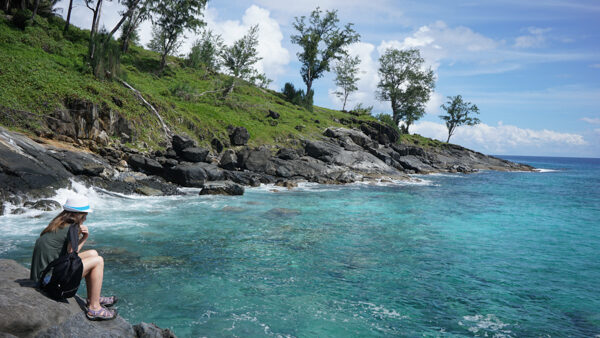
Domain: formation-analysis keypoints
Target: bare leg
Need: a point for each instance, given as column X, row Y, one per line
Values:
column 93, row 271
column 88, row 253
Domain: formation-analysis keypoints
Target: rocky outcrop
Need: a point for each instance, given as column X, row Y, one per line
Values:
column 222, row 188
column 26, row 312
column 84, row 120
column 238, row 136
column 342, row 155
column 28, row 167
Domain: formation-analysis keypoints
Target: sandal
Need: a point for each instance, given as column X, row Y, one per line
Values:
column 106, row 301
column 101, row 314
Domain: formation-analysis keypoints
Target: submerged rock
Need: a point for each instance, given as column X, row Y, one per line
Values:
column 283, row 212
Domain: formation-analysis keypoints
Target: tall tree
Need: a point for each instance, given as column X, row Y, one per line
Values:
column 96, row 10
column 206, row 51
column 346, row 77
column 458, row 113
column 239, row 59
column 404, row 82
column 139, row 13
column 171, row 19
column 321, row 41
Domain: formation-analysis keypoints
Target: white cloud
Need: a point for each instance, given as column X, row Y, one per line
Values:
column 502, row 139
column 439, row 42
column 592, row 120
column 596, row 65
column 536, row 38
column 274, row 56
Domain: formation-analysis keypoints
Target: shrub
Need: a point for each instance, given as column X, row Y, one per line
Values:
column 297, row 96
column 359, row 109
column 183, row 90
column 22, row 18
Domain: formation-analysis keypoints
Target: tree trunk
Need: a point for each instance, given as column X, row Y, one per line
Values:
column 68, row 16
column 345, row 99
column 98, row 13
column 35, row 9
column 163, row 62
column 94, row 31
column 448, row 140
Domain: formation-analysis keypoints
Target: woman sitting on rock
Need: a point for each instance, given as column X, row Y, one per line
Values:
column 54, row 242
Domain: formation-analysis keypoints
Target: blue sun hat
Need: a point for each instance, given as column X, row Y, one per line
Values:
column 77, row 203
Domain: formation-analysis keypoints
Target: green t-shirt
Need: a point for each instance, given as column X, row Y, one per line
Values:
column 48, row 247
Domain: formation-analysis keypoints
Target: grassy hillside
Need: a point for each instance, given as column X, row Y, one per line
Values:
column 40, row 69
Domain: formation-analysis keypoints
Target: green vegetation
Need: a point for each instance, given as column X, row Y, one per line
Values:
column 41, row 69
column 458, row 113
column 404, row 83
column 322, row 41
column 346, row 77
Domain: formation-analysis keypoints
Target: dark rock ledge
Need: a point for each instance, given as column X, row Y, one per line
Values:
column 32, row 169
column 25, row 312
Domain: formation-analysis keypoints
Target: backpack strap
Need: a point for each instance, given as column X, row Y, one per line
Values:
column 74, row 237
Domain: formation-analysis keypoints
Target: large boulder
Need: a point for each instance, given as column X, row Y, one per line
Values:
column 81, row 163
column 194, row 154
column 194, row 174
column 258, row 160
column 28, row 167
column 180, row 142
column 228, row 160
column 238, row 136
column 288, row 154
column 246, row 178
column 222, row 188
column 145, row 165
column 346, row 135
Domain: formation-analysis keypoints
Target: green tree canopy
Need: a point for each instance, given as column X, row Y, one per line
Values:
column 404, row 82
column 321, row 41
column 458, row 113
column 206, row 51
column 346, row 77
column 240, row 58
column 171, row 19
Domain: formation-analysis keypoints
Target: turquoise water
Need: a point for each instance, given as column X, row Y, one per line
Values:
column 487, row 254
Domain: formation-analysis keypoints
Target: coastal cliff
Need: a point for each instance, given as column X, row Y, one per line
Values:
column 26, row 312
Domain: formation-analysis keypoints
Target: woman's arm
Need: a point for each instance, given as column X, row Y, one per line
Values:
column 85, row 233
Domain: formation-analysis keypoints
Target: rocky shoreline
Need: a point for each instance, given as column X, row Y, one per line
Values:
column 32, row 168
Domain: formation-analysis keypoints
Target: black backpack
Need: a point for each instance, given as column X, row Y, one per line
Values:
column 66, row 270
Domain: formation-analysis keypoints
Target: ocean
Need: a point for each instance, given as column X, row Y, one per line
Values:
column 504, row 254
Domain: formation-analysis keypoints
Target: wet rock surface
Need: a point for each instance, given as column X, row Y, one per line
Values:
column 26, row 312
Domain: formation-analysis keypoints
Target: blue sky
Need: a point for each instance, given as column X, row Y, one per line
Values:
column 532, row 67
